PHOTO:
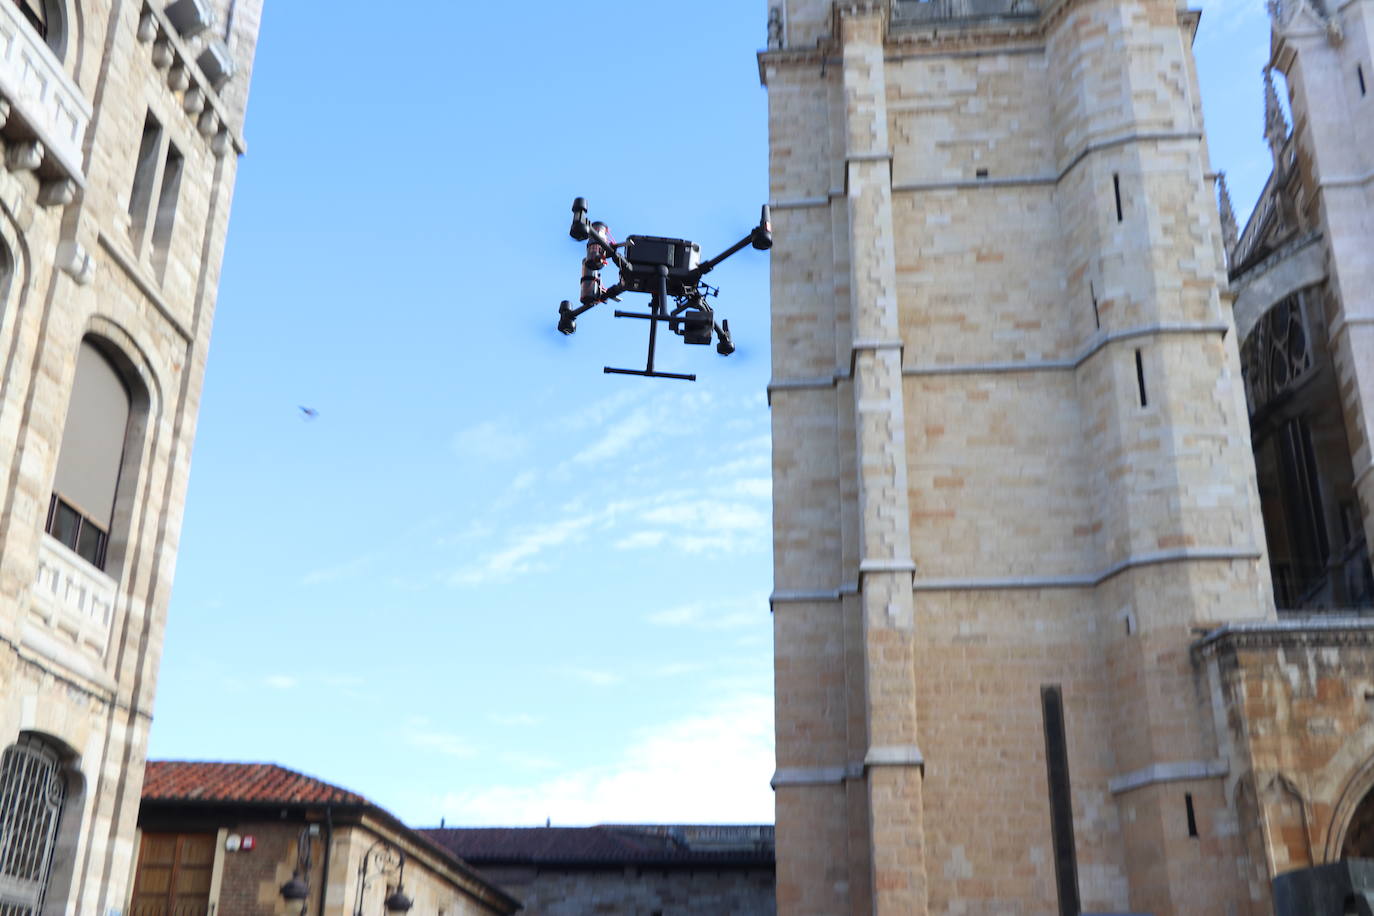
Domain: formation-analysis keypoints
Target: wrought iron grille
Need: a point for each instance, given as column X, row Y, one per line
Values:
column 31, row 795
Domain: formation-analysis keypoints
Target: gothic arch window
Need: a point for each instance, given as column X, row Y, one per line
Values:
column 92, row 458
column 33, row 789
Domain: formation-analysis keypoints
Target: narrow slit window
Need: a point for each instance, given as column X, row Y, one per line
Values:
column 145, row 173
column 1097, row 314
column 1192, row 815
column 1359, row 74
column 1061, row 800
column 1116, row 190
column 167, row 208
column 1140, row 378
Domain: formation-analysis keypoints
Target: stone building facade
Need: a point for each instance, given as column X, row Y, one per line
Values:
column 625, row 870
column 1028, row 656
column 121, row 123
column 1304, row 310
column 224, row 839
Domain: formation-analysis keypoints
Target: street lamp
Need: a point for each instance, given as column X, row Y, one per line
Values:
column 382, row 859
column 298, row 887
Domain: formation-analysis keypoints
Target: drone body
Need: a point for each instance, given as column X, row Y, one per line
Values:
column 664, row 268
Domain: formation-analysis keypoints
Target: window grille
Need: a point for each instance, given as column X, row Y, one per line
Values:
column 31, row 794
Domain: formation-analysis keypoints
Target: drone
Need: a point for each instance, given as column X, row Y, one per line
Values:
column 666, row 269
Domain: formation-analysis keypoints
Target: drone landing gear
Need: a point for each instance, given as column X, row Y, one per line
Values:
column 658, row 311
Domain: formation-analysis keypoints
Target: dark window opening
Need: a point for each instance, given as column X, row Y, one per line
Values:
column 1116, row 189
column 145, row 169
column 1061, row 800
column 981, row 173
column 1097, row 315
column 76, row 532
column 35, row 14
column 1301, row 486
column 1140, row 378
column 166, row 208
column 1192, row 815
column 1359, row 72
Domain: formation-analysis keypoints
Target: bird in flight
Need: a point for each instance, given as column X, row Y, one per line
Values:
column 308, row 413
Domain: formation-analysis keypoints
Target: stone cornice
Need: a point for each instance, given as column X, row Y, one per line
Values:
column 790, row 57
column 965, row 35
column 1333, row 631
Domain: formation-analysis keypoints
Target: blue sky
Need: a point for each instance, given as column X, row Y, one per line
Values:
column 489, row 583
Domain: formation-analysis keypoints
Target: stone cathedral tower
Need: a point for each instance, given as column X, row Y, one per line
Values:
column 1027, row 651
column 121, row 123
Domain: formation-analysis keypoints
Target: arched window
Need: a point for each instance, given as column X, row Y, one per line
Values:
column 88, row 466
column 48, row 19
column 32, row 790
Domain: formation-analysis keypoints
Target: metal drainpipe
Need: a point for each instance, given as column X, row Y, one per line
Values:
column 328, row 847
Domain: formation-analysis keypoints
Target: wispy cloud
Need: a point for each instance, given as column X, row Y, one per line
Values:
column 516, row 557
column 519, row 718
column 421, row 733
column 528, row 761
column 709, row 515
column 753, row 487
column 346, row 570
column 678, row 669
column 596, row 414
column 640, row 540
column 718, row 764
column 731, row 615
column 595, row 677
column 618, row 438
column 280, row 682
column 491, row 440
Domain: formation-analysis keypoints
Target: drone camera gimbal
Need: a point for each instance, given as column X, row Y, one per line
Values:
column 663, row 268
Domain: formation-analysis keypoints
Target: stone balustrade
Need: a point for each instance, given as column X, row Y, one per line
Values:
column 73, row 597
column 41, row 96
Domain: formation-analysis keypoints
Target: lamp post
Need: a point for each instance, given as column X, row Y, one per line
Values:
column 298, row 887
column 382, row 859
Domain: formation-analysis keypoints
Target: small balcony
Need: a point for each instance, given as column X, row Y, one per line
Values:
column 73, row 598
column 47, row 117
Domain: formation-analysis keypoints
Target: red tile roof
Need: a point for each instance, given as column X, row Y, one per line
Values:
column 251, row 783
column 605, row 845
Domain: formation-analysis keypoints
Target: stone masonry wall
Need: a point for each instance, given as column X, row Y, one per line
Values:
column 1295, row 700
column 638, row 892
column 78, row 267
column 1077, row 491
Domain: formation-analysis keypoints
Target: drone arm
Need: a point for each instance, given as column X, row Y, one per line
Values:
column 709, row 265
column 582, row 230
column 566, row 308
column 761, row 237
